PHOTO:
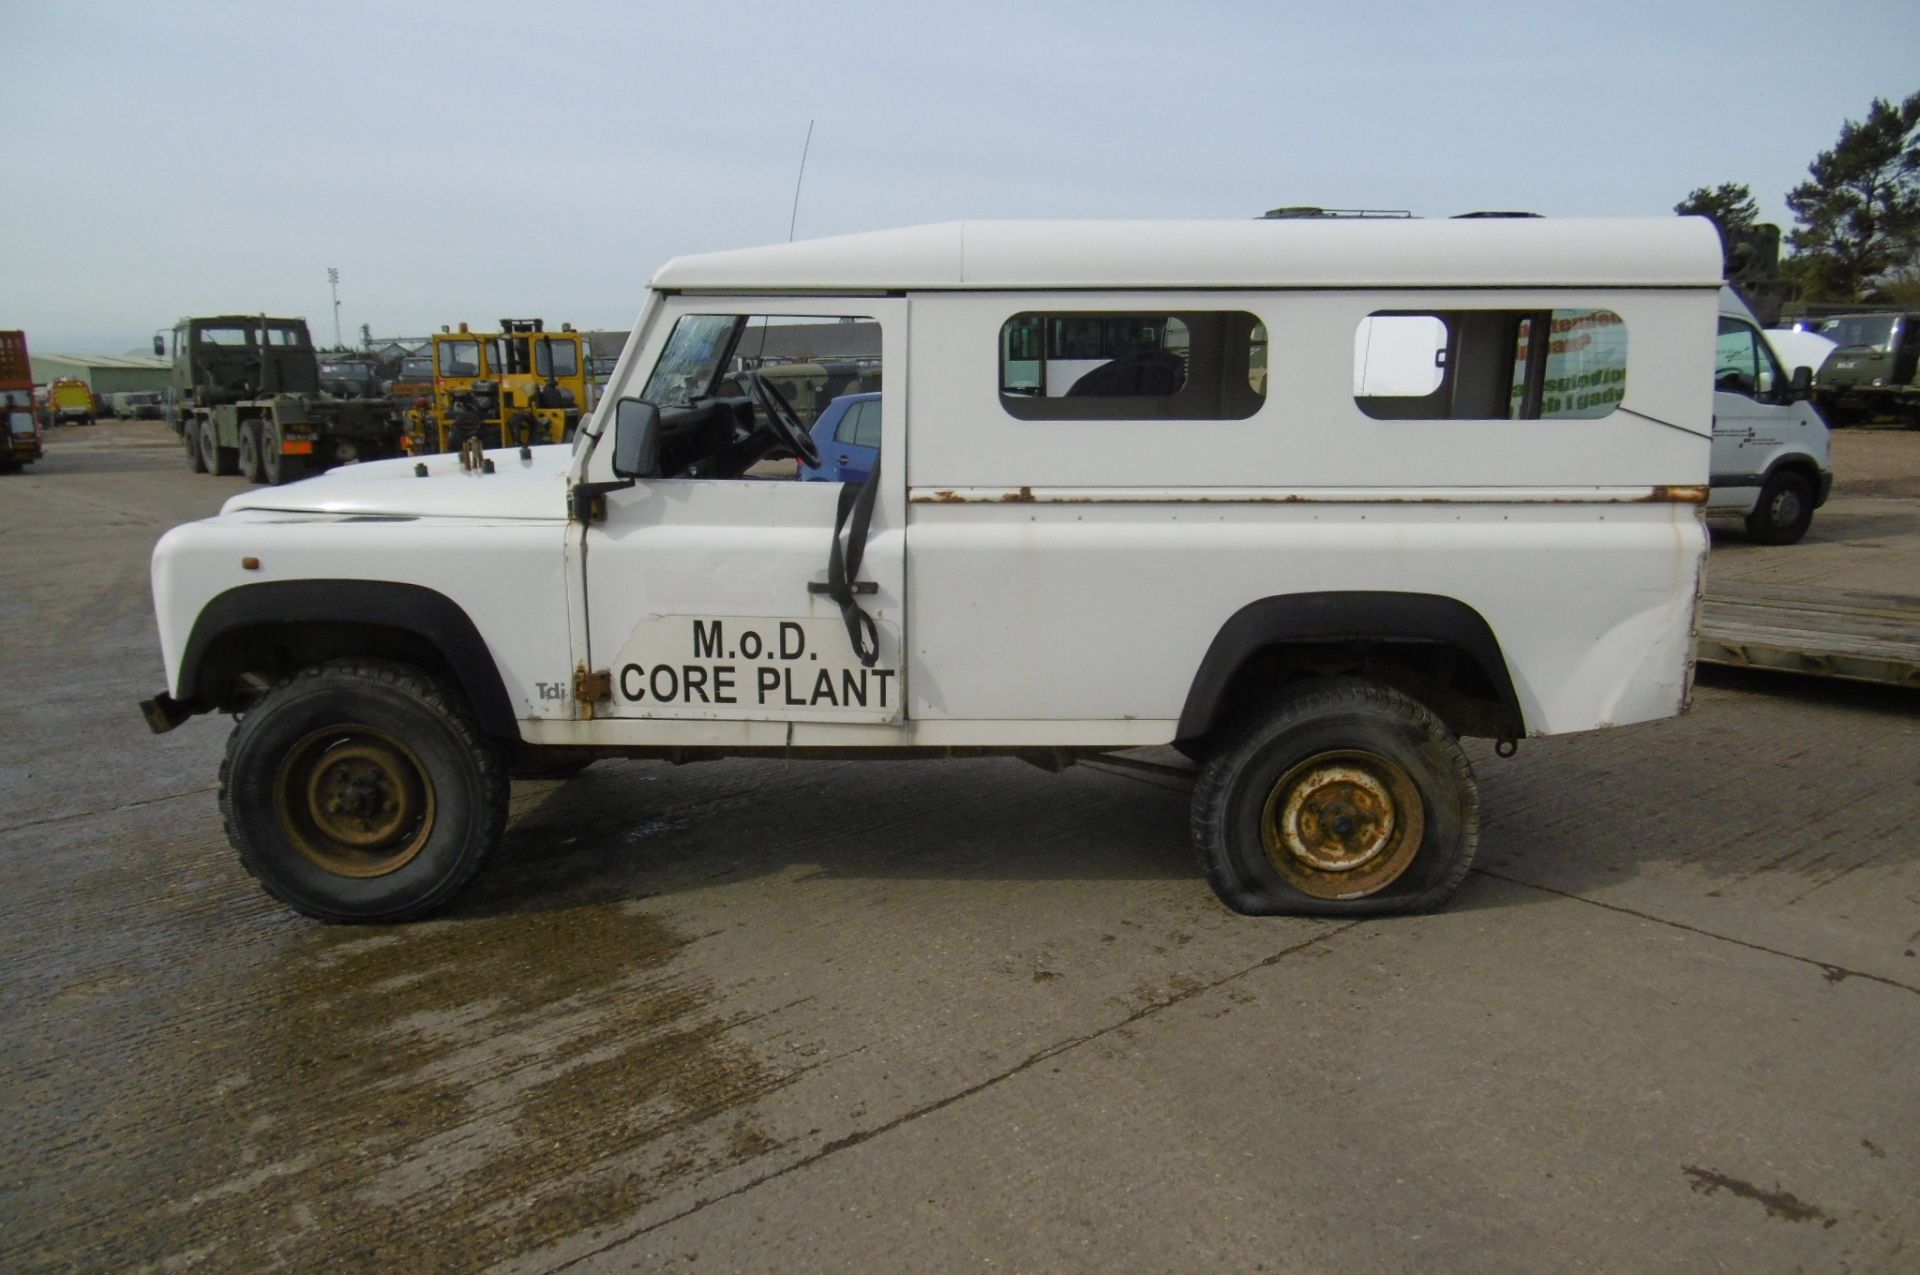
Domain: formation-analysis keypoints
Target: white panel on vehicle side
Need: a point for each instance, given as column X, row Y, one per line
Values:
column 1309, row 431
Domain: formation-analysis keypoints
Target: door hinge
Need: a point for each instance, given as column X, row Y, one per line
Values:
column 590, row 687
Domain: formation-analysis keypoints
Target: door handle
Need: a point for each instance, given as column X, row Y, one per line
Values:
column 843, row 460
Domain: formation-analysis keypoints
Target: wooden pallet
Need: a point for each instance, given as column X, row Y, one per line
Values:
column 1861, row 637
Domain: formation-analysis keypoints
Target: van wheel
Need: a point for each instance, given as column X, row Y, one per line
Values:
column 1784, row 510
column 251, row 467
column 1343, row 798
column 362, row 791
column 190, row 439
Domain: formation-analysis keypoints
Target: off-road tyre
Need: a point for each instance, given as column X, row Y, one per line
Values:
column 190, row 439
column 1784, row 511
column 252, row 465
column 304, row 739
column 1316, row 750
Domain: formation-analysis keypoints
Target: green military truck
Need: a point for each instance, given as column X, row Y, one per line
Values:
column 1875, row 369
column 245, row 397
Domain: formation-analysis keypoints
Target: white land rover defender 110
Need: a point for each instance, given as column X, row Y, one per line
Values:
column 1308, row 501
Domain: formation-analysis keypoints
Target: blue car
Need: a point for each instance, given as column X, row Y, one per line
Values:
column 848, row 436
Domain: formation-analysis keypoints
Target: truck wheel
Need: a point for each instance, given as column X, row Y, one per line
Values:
column 1343, row 798
column 190, row 439
column 251, row 467
column 362, row 790
column 275, row 464
column 215, row 459
column 1784, row 511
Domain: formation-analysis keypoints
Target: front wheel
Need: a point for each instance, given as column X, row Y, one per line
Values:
column 1343, row 798
column 1784, row 510
column 362, row 791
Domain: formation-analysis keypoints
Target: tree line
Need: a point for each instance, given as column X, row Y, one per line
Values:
column 1856, row 234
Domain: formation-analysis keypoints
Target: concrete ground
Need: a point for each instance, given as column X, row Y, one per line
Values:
column 967, row 1015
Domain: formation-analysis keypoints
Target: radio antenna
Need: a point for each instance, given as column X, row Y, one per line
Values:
column 805, row 147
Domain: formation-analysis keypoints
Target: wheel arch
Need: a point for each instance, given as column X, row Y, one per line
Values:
column 1803, row 464
column 1435, row 648
column 274, row 628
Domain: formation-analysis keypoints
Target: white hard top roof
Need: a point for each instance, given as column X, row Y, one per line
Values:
column 1662, row 252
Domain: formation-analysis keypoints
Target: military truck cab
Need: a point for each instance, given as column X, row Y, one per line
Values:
column 245, row 397
column 1874, row 368
column 1308, row 569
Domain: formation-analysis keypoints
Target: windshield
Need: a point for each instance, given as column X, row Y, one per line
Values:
column 346, row 371
column 690, row 364
column 416, row 369
column 1875, row 330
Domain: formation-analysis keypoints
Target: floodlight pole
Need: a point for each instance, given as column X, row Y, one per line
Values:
column 333, row 281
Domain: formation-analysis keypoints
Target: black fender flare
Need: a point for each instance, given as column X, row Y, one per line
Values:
column 1350, row 616
column 413, row 609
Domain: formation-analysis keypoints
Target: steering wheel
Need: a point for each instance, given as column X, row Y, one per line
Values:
column 785, row 422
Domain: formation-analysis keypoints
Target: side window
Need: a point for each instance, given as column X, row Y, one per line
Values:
column 719, row 374
column 555, row 358
column 1742, row 363
column 1399, row 355
column 1108, row 365
column 459, row 358
column 860, row 427
column 1490, row 364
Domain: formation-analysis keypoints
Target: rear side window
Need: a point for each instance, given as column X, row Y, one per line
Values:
column 1113, row 365
column 1490, row 364
column 860, row 427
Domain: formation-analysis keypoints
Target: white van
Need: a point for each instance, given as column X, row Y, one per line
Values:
column 1770, row 444
column 1136, row 486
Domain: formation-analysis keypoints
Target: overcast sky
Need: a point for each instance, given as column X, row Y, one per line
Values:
column 473, row 161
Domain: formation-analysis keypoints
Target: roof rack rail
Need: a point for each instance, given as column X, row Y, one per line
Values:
column 1466, row 216
column 1300, row 211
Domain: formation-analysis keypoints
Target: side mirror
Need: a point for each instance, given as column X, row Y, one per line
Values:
column 1800, row 385
column 159, row 347
column 636, row 439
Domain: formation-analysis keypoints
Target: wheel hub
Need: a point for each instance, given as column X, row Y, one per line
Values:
column 355, row 801
column 1342, row 824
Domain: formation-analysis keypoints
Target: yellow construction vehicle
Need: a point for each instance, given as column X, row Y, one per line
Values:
column 519, row 386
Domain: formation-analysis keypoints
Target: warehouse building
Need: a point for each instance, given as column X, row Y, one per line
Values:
column 105, row 373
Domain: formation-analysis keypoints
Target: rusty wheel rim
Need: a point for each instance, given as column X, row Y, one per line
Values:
column 1343, row 824
column 355, row 801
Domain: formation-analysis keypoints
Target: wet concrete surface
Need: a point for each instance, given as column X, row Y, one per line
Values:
column 769, row 1015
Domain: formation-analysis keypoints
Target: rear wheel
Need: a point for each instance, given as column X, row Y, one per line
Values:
column 1344, row 797
column 1784, row 511
column 275, row 465
column 362, row 791
column 215, row 459
column 251, row 466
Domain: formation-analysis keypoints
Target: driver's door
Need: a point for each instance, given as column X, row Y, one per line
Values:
column 698, row 598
